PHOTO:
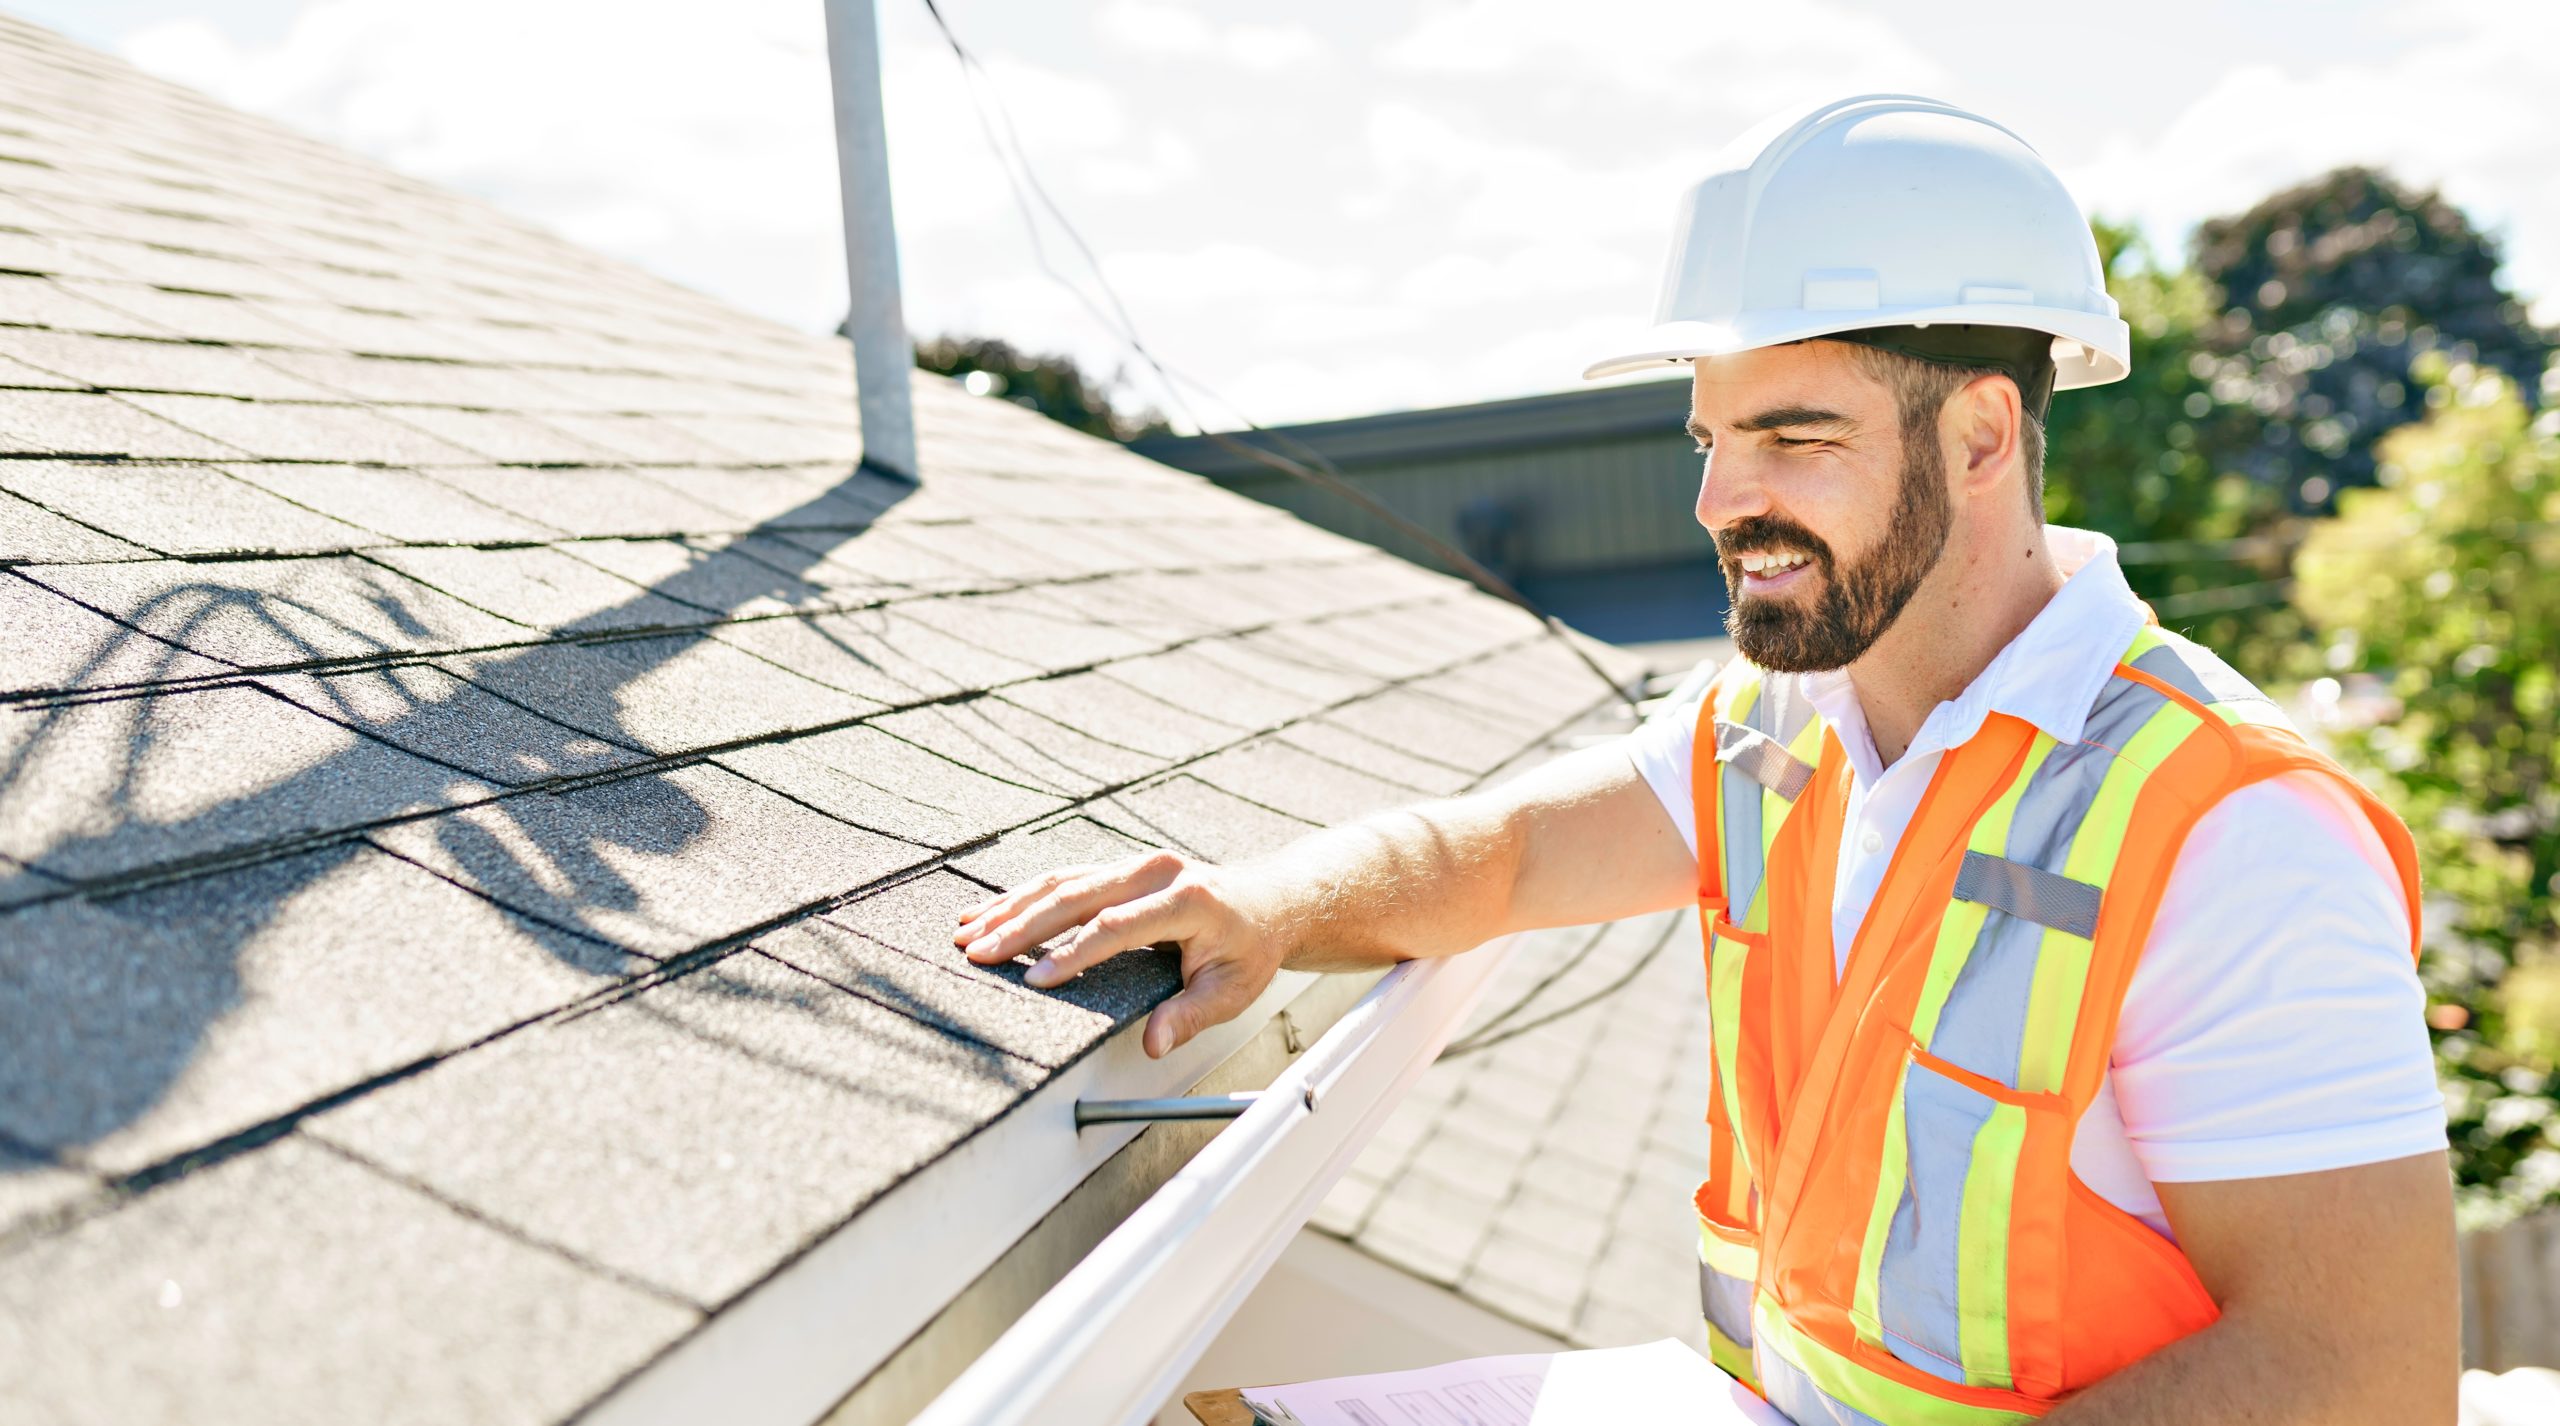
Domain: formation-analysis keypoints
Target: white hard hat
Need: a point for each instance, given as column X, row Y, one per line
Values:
column 1883, row 210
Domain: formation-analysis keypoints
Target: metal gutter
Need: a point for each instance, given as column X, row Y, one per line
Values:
column 789, row 1348
column 1111, row 1341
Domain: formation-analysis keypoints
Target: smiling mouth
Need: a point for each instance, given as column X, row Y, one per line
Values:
column 1769, row 564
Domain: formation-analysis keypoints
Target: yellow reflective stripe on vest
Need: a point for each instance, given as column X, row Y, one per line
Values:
column 1792, row 1365
column 1724, row 1017
column 2000, row 999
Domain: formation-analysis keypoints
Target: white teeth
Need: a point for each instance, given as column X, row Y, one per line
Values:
column 1765, row 563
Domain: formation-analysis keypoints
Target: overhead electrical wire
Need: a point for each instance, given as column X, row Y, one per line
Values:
column 1312, row 467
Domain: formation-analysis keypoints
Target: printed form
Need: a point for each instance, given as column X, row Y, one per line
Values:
column 1665, row 1381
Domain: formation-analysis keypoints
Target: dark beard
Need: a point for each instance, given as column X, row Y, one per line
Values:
column 1859, row 602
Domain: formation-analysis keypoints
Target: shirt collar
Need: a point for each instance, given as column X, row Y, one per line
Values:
column 2048, row 676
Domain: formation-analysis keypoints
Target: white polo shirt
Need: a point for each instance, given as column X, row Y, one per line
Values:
column 2274, row 1024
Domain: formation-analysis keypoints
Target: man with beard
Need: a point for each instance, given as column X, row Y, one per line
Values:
column 2068, row 1052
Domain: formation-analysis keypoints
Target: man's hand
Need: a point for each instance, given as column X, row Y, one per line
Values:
column 1224, row 931
column 1579, row 840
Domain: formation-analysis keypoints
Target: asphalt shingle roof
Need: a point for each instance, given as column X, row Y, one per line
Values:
column 483, row 772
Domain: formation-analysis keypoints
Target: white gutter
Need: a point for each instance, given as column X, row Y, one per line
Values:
column 1111, row 1341
column 783, row 1353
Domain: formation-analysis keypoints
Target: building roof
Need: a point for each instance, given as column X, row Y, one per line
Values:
column 1639, row 410
column 486, row 778
column 1547, row 1174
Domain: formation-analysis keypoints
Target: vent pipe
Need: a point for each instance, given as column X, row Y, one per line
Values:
column 882, row 353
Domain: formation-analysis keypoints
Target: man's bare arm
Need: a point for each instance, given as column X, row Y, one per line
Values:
column 1581, row 839
column 2340, row 1297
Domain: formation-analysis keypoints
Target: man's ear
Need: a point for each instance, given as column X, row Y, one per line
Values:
column 1985, row 418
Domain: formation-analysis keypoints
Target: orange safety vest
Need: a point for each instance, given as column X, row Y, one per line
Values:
column 1890, row 1232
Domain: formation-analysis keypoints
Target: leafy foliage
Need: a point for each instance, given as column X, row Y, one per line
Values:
column 1054, row 386
column 2440, row 582
column 2150, row 460
column 2327, row 293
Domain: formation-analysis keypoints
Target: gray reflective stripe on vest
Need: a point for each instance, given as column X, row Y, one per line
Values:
column 1983, row 1026
column 1794, row 1394
column 2029, row 893
column 1763, row 759
column 2200, row 674
column 1726, row 1302
column 1776, row 717
column 1916, row 1283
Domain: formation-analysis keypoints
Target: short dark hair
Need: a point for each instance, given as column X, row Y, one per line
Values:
column 1920, row 390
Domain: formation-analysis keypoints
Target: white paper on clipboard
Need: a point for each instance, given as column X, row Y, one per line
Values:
column 1665, row 1381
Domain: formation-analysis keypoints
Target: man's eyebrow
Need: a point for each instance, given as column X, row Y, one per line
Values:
column 1779, row 418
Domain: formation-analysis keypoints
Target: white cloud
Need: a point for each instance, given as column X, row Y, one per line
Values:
column 696, row 141
column 1747, row 59
column 2462, row 101
column 1161, row 27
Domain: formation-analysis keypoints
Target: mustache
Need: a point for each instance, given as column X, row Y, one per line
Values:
column 1766, row 532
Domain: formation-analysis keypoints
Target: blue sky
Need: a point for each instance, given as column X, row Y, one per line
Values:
column 1339, row 206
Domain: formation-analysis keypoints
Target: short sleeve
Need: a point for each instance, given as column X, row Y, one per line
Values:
column 1662, row 748
column 2275, row 1023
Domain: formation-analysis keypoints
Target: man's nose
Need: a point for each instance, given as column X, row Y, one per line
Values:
column 1730, row 489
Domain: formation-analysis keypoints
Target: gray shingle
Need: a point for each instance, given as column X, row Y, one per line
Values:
column 693, row 1135
column 128, row 364
column 155, row 1023
column 642, row 439
column 872, row 779
column 704, row 573
column 424, row 710
column 861, row 559
column 662, row 864
column 1290, row 779
column 667, row 694
column 21, row 883
column 820, row 497
column 200, row 316
column 280, row 613
column 339, row 376
column 42, row 302
column 48, row 643
column 505, row 437
column 30, row 1185
column 102, row 789
column 1367, row 755
column 397, row 1309
column 277, row 431
column 14, row 372
column 398, row 504
column 968, row 1001
column 884, row 654
column 1021, row 856
column 541, row 588
column 1113, row 712
column 30, row 533
column 591, row 501
column 79, row 424
column 1022, row 746
column 1198, row 818
column 916, row 918
column 176, row 509
column 1030, row 629
column 1404, row 718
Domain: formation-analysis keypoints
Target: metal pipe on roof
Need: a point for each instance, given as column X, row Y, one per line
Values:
column 883, row 354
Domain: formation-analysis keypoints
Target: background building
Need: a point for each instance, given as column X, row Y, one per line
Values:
column 1582, row 499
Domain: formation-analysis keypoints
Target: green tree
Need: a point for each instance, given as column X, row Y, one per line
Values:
column 1054, row 386
column 2327, row 292
column 2440, row 582
column 2149, row 460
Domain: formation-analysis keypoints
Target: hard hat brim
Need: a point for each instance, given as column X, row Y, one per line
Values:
column 2088, row 349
